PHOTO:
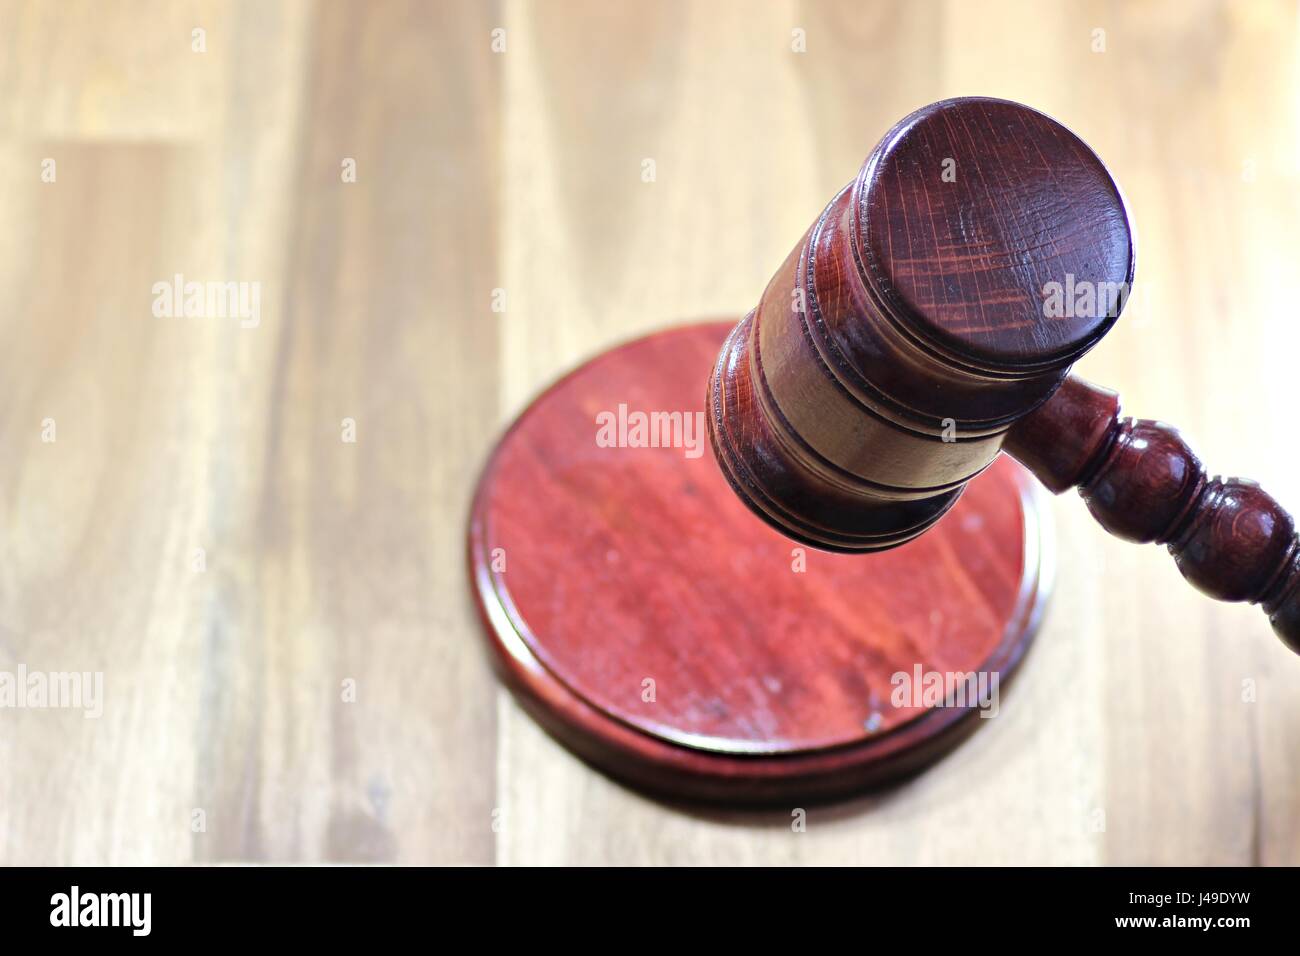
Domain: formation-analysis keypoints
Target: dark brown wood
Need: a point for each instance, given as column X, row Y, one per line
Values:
column 928, row 318
column 1143, row 483
column 599, row 568
column 905, row 332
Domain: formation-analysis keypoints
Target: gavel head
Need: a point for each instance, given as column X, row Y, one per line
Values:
column 939, row 298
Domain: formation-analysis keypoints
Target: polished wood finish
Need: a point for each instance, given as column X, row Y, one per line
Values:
column 935, row 320
column 480, row 170
column 965, row 211
column 1143, row 483
column 599, row 569
column 903, row 335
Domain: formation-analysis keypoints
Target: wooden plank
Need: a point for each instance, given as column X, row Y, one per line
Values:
column 324, row 561
column 1148, row 725
column 381, row 407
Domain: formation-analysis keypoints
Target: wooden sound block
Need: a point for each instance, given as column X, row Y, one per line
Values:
column 657, row 628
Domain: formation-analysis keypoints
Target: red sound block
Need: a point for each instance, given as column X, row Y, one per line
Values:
column 657, row 628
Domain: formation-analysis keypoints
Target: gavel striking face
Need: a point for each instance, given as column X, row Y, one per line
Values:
column 927, row 322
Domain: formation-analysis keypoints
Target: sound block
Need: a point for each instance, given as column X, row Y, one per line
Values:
column 653, row 625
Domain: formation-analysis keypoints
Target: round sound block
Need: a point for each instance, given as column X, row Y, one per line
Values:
column 657, row 628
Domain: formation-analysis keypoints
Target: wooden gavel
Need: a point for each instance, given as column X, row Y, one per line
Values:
column 928, row 320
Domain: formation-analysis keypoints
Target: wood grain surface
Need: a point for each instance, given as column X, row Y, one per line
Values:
column 319, row 690
column 643, row 615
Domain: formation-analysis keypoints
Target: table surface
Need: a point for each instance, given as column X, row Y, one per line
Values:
column 292, row 668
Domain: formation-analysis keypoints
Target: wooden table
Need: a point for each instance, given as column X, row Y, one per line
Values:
column 292, row 669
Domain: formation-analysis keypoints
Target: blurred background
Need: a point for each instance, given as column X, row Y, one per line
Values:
column 443, row 207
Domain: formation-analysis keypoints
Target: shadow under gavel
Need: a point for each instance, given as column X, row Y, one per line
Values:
column 928, row 320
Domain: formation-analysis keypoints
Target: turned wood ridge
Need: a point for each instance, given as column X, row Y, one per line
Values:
column 928, row 320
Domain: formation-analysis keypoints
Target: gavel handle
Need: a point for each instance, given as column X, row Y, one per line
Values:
column 1142, row 482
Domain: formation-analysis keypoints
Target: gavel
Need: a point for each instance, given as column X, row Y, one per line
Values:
column 928, row 321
